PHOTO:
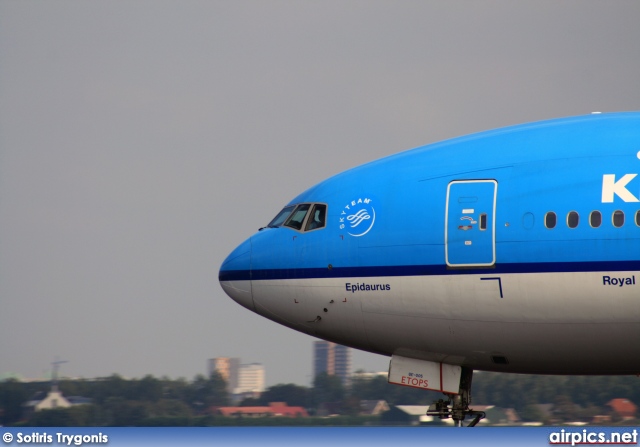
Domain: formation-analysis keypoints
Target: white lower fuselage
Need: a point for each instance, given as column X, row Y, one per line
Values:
column 540, row 324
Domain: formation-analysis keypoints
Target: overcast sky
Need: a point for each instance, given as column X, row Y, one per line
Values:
column 141, row 141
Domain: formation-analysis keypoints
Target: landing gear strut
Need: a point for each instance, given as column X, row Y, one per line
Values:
column 457, row 405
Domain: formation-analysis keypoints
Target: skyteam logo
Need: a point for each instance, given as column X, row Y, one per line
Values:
column 358, row 217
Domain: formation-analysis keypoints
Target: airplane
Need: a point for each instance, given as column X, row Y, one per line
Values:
column 513, row 250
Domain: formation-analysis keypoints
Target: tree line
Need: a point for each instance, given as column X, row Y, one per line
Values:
column 152, row 401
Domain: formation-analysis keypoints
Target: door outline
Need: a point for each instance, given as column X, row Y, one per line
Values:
column 493, row 225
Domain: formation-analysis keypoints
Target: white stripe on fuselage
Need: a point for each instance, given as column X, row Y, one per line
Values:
column 546, row 315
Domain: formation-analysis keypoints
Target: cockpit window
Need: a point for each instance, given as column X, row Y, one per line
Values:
column 281, row 217
column 311, row 216
column 297, row 217
column 317, row 218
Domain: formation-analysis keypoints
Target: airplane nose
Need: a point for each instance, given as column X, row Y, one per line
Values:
column 235, row 275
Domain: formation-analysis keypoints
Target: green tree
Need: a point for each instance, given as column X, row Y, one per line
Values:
column 204, row 393
column 531, row 413
column 175, row 389
column 125, row 413
column 327, row 388
column 148, row 389
column 564, row 408
column 109, row 387
column 58, row 417
column 12, row 395
column 293, row 395
column 170, row 408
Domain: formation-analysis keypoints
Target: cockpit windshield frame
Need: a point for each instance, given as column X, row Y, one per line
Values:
column 301, row 217
column 298, row 217
column 317, row 217
column 281, row 217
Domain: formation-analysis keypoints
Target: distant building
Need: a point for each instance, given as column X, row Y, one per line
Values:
column 52, row 400
column 250, row 379
column 320, row 357
column 278, row 409
column 373, row 407
column 246, row 380
column 601, row 419
column 369, row 375
column 624, row 408
column 409, row 415
column 332, row 359
column 497, row 416
column 228, row 368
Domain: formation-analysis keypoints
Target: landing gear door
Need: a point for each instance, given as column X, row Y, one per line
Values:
column 470, row 229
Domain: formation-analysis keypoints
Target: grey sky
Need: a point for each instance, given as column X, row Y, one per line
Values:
column 140, row 142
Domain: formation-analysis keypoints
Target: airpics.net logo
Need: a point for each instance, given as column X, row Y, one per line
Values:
column 358, row 217
column 589, row 437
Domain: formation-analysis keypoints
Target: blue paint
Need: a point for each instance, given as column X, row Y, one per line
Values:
column 555, row 165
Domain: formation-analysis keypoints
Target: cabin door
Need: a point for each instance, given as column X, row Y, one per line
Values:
column 470, row 229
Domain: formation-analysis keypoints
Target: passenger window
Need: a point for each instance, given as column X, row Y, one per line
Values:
column 297, row 217
column 550, row 220
column 638, row 218
column 595, row 219
column 573, row 219
column 618, row 218
column 317, row 218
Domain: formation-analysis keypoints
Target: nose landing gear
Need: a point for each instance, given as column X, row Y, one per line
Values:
column 457, row 405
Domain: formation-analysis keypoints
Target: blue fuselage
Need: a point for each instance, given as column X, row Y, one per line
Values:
column 537, row 224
